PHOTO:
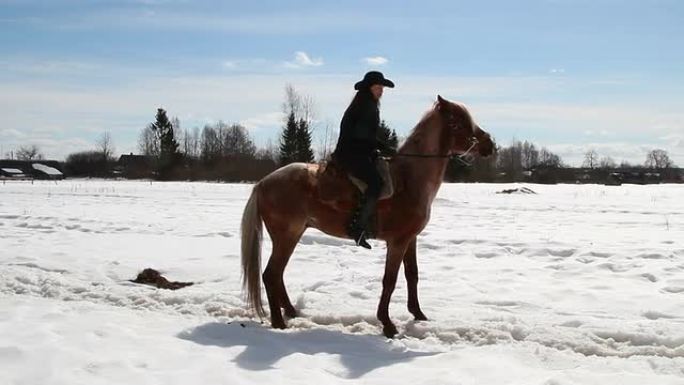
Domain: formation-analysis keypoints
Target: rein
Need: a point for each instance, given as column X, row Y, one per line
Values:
column 466, row 158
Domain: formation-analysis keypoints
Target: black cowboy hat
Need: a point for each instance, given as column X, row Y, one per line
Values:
column 371, row 78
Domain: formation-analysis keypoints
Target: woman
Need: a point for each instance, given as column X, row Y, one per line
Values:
column 358, row 146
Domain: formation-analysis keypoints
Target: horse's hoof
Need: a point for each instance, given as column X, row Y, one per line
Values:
column 291, row 313
column 390, row 331
column 278, row 325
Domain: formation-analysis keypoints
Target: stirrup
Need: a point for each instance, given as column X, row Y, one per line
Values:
column 361, row 240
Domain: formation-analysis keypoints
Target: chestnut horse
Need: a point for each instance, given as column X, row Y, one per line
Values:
column 288, row 201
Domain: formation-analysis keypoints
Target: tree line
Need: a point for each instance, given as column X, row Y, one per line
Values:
column 226, row 151
column 219, row 151
column 523, row 161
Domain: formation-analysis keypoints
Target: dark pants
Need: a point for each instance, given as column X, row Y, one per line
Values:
column 364, row 168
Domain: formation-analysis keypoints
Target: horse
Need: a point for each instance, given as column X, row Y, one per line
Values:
column 288, row 201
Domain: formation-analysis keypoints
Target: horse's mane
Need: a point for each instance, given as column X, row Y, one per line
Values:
column 418, row 131
column 422, row 129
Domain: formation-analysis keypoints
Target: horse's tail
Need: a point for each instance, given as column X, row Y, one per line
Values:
column 251, row 229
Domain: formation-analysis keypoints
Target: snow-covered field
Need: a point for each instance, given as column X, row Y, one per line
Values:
column 572, row 285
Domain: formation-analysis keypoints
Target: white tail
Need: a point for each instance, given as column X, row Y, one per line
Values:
column 251, row 229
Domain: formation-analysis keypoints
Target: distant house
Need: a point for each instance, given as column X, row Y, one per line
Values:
column 135, row 166
column 12, row 173
column 633, row 176
column 42, row 171
column 613, row 177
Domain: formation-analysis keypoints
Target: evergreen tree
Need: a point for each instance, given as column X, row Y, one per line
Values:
column 295, row 141
column 288, row 141
column 169, row 156
column 387, row 138
column 304, row 152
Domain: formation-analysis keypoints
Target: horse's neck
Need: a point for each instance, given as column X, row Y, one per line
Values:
column 425, row 174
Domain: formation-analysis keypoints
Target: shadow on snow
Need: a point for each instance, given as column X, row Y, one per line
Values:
column 264, row 347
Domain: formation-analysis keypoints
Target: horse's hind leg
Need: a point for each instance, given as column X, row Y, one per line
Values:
column 285, row 303
column 283, row 246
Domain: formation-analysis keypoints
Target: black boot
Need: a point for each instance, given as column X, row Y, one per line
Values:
column 359, row 237
column 358, row 228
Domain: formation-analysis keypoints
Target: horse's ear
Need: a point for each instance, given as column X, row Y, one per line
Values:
column 440, row 102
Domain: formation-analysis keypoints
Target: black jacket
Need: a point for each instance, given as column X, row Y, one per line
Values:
column 359, row 130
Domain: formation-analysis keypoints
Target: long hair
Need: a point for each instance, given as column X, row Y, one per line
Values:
column 362, row 98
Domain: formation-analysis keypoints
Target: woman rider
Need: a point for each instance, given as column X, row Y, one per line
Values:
column 358, row 148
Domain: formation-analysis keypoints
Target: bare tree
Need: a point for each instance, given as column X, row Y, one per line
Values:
column 269, row 152
column 106, row 146
column 221, row 128
column 148, row 142
column 549, row 159
column 194, row 142
column 293, row 101
column 591, row 159
column 185, row 143
column 210, row 144
column 327, row 142
column 236, row 142
column 177, row 130
column 658, row 159
column 607, row 162
column 509, row 160
column 625, row 165
column 30, row 152
column 529, row 155
column 190, row 143
column 302, row 106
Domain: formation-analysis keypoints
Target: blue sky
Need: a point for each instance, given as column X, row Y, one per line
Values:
column 569, row 75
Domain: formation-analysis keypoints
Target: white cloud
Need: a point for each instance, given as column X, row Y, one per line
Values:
column 375, row 60
column 557, row 70
column 49, row 144
column 261, row 121
column 302, row 59
column 64, row 111
column 248, row 64
column 230, row 64
column 673, row 139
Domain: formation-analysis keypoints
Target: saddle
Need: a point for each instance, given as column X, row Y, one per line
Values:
column 336, row 184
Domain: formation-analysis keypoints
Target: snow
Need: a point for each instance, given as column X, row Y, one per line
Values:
column 12, row 170
column 576, row 284
column 46, row 169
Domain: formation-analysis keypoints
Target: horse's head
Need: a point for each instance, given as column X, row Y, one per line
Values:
column 462, row 134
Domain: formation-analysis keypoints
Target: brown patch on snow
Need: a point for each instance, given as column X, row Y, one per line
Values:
column 152, row 277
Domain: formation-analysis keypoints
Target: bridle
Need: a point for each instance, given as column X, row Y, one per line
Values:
column 466, row 157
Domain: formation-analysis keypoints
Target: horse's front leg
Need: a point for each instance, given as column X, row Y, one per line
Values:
column 411, row 273
column 395, row 255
